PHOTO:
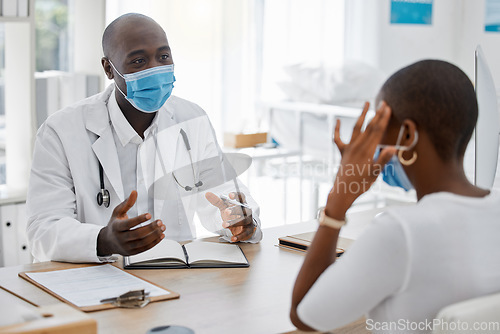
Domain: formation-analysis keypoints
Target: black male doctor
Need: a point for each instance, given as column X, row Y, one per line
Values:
column 105, row 177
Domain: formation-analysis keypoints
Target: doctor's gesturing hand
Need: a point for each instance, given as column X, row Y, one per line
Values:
column 236, row 217
column 118, row 238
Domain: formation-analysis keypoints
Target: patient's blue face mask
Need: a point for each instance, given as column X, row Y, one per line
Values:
column 393, row 173
column 148, row 90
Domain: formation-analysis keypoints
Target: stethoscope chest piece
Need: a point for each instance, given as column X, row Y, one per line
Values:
column 103, row 198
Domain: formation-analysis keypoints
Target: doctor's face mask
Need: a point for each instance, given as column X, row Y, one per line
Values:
column 148, row 90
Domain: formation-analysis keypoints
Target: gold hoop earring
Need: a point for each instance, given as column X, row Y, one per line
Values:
column 407, row 162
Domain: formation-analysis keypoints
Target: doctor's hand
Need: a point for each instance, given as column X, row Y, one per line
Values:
column 118, row 238
column 236, row 218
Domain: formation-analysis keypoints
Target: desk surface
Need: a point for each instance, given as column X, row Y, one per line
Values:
column 242, row 300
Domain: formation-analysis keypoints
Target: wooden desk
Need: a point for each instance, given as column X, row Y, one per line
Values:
column 236, row 300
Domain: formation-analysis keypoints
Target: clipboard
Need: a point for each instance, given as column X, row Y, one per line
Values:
column 99, row 306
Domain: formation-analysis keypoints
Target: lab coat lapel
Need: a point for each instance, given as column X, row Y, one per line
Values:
column 97, row 121
column 105, row 150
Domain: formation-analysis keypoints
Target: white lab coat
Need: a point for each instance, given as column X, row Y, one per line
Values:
column 64, row 219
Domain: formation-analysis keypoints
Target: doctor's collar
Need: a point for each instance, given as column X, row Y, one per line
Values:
column 124, row 130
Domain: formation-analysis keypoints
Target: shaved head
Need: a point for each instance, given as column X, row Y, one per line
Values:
column 112, row 33
column 439, row 98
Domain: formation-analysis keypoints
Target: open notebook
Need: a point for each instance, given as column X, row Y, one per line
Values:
column 198, row 254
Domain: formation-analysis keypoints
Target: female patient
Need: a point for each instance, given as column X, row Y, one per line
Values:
column 412, row 260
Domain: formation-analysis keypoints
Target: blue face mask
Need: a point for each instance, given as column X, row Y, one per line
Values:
column 393, row 173
column 148, row 90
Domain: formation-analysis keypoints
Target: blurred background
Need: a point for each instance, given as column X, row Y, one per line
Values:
column 273, row 76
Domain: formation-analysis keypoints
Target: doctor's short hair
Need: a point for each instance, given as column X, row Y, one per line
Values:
column 439, row 98
column 109, row 37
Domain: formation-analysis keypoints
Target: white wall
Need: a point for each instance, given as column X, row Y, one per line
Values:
column 299, row 32
column 86, row 48
column 471, row 27
column 457, row 27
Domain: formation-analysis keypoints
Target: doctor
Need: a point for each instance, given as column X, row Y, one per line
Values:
column 92, row 192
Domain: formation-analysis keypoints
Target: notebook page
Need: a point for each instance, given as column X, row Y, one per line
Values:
column 87, row 286
column 163, row 250
column 213, row 251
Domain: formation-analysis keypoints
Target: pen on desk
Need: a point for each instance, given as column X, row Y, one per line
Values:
column 128, row 296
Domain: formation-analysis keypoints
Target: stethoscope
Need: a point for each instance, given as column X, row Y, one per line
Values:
column 103, row 197
column 188, row 148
